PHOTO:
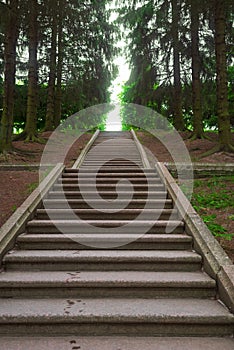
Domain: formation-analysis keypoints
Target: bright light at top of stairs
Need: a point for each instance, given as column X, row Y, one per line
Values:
column 113, row 122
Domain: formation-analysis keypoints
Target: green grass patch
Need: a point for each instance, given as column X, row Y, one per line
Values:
column 31, row 187
column 13, row 208
column 214, row 194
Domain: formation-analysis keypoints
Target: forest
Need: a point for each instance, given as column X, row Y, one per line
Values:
column 57, row 58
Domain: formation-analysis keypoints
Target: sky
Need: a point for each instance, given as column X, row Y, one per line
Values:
column 120, row 61
column 123, row 76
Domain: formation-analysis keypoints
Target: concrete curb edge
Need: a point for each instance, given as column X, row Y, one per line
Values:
column 141, row 150
column 216, row 262
column 81, row 157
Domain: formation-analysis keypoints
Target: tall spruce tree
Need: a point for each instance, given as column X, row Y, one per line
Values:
column 10, row 42
column 30, row 131
column 221, row 9
column 196, row 72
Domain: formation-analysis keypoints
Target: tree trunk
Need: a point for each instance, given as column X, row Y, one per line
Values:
column 49, row 124
column 221, row 79
column 31, row 121
column 10, row 42
column 225, row 143
column 177, row 105
column 196, row 82
column 58, row 91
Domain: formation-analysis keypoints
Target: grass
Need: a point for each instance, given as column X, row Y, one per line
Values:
column 14, row 208
column 212, row 197
column 31, row 187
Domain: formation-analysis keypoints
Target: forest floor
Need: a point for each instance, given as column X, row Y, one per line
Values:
column 30, row 153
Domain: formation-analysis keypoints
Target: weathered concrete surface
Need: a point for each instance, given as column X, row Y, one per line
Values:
column 226, row 285
column 141, row 150
column 115, row 343
column 109, row 279
column 22, row 167
column 121, row 316
column 202, row 169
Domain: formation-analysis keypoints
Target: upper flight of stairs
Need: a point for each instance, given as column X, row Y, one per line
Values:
column 153, row 286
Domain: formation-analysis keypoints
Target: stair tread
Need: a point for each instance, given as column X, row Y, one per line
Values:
column 101, row 201
column 102, row 255
column 109, row 310
column 116, row 343
column 105, row 236
column 106, row 223
column 144, row 279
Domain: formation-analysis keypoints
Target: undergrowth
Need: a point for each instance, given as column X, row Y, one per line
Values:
column 215, row 193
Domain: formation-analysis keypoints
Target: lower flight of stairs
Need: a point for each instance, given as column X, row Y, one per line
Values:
column 56, row 284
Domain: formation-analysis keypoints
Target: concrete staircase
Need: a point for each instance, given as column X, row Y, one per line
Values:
column 55, row 284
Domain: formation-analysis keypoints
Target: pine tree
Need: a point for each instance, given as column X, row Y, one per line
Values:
column 196, row 72
column 177, row 105
column 221, row 80
column 10, row 42
column 30, row 131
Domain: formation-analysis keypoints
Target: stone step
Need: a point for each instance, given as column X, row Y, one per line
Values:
column 102, row 260
column 115, row 343
column 106, row 175
column 109, row 187
column 114, row 284
column 81, row 204
column 46, row 241
column 112, row 156
column 110, row 159
column 106, row 214
column 98, row 226
column 152, row 317
column 124, row 170
column 86, row 165
column 110, row 194
column 107, row 181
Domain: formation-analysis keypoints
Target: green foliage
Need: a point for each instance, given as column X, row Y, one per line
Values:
column 216, row 229
column 216, row 195
column 31, row 187
column 14, row 208
column 149, row 31
column 87, row 48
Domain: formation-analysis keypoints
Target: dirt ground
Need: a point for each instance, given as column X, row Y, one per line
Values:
column 15, row 186
column 195, row 148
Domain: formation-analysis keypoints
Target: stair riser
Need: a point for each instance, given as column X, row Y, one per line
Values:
column 112, row 157
column 57, row 265
column 109, row 160
column 106, row 187
column 108, row 175
column 110, row 195
column 83, row 205
column 120, row 327
column 113, row 180
column 74, row 245
column 75, row 230
column 106, row 292
column 114, row 171
column 104, row 216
